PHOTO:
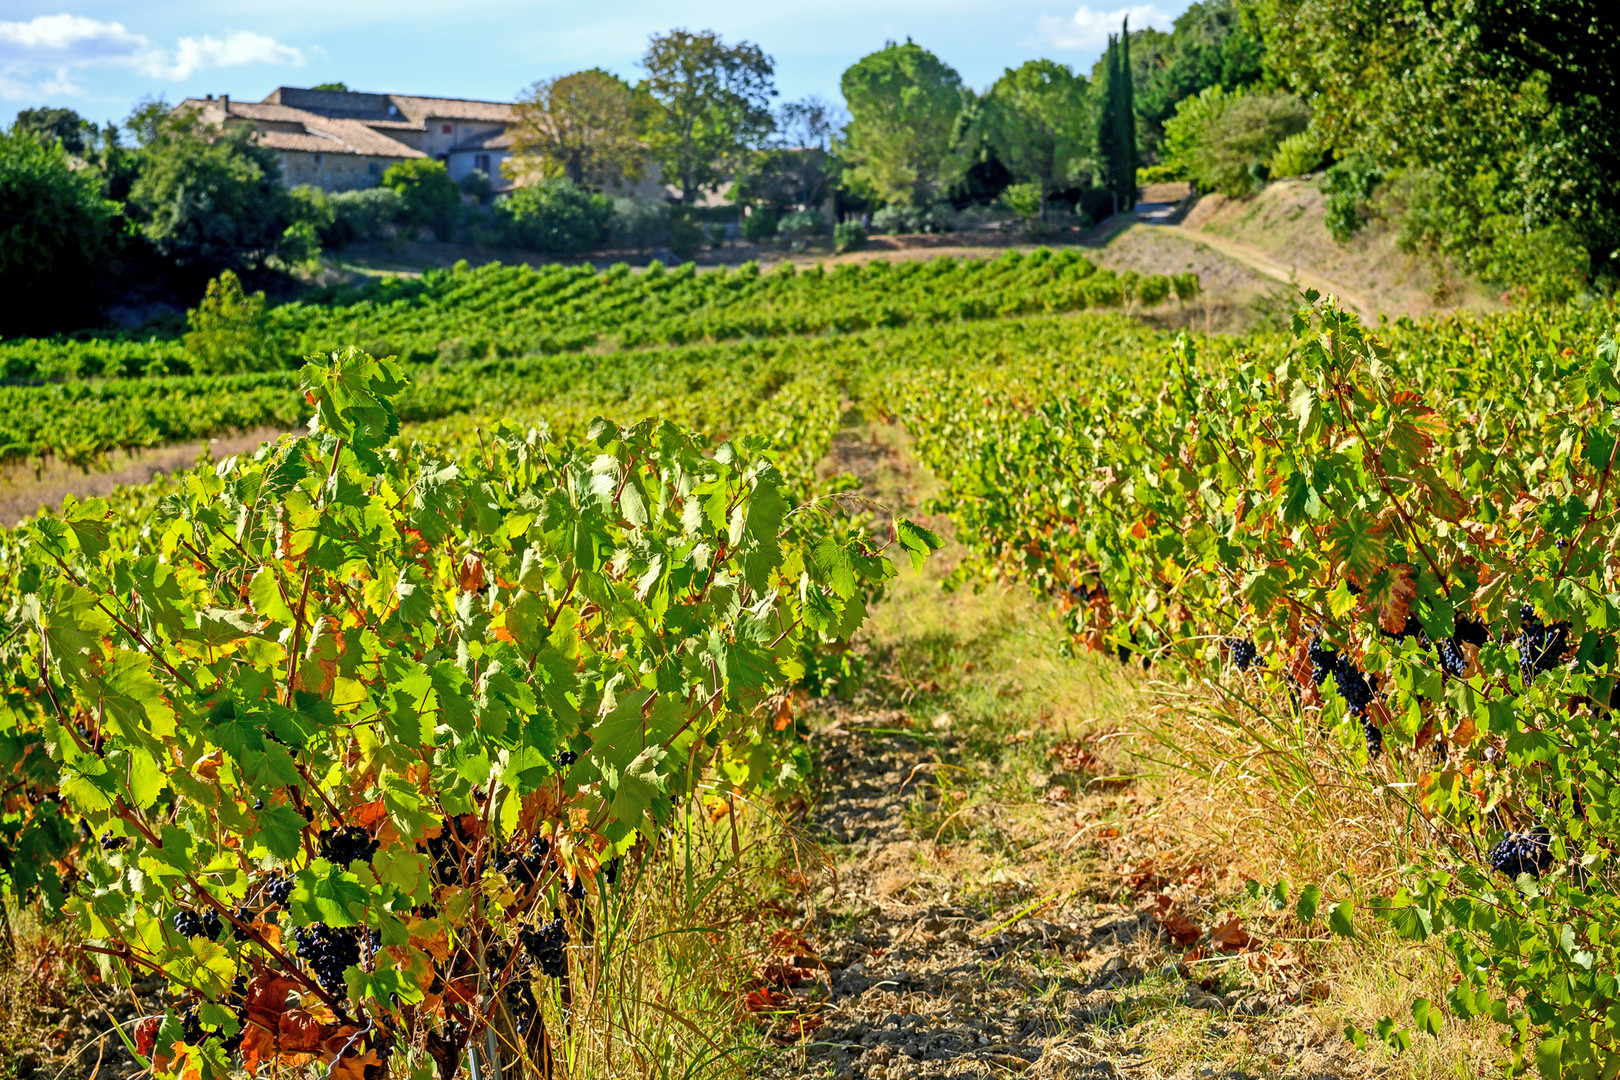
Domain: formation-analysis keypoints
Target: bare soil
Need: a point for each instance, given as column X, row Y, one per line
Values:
column 25, row 491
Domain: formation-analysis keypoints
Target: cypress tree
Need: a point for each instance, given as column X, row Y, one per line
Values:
column 1127, row 121
column 1108, row 123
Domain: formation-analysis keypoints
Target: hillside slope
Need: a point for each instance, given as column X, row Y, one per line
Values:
column 1285, row 223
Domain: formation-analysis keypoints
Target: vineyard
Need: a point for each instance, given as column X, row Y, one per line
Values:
column 363, row 744
column 505, row 311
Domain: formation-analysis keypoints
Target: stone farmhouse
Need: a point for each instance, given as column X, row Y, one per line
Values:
column 341, row 139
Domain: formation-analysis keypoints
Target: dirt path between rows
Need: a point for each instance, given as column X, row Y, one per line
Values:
column 25, row 491
column 1014, row 896
column 1265, row 264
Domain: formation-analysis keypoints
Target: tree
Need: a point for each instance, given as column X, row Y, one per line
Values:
column 431, row 197
column 712, row 105
column 228, row 330
column 903, row 103
column 809, row 123
column 1207, row 46
column 1220, row 140
column 1034, row 120
column 340, row 87
column 208, row 199
column 66, row 126
column 588, row 126
column 1505, row 106
column 1116, row 123
column 55, row 233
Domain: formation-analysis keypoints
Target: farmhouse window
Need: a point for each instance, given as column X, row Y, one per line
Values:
column 445, row 129
column 481, row 162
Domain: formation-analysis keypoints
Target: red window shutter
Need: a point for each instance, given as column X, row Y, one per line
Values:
column 446, row 129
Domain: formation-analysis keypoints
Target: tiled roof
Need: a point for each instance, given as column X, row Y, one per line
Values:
column 328, row 125
column 365, row 139
column 422, row 108
column 318, row 135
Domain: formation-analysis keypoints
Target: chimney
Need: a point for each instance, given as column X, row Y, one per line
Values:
column 210, row 97
column 225, row 100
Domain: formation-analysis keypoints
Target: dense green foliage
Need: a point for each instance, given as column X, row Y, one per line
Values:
column 1403, row 548
column 431, row 198
column 500, row 310
column 712, row 105
column 1503, row 110
column 56, row 230
column 323, row 708
column 904, row 104
column 1034, row 120
column 554, row 216
column 208, row 200
column 1226, row 141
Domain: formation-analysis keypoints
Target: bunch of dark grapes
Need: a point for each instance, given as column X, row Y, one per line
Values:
column 520, row 1003
column 533, row 862
column 329, row 952
column 1352, row 685
column 1452, row 660
column 1374, row 736
column 188, row 924
column 279, row 889
column 1244, row 654
column 446, row 854
column 1540, row 646
column 566, row 758
column 612, row 871
column 109, row 842
column 1523, row 853
column 546, row 946
column 1322, row 659
column 191, row 1026
column 347, row 845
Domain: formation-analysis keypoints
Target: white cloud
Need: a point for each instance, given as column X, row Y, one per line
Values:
column 39, row 57
column 233, row 50
column 1088, row 27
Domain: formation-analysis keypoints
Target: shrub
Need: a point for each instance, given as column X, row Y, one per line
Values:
column 849, row 236
column 301, row 242
column 800, row 226
column 1158, row 174
column 431, row 197
column 228, row 332
column 686, row 236
column 760, row 224
column 1024, row 200
column 476, row 185
column 1186, row 286
column 897, row 218
column 637, row 224
column 1348, row 185
column 362, row 215
column 1153, row 290
column 1217, row 137
column 1296, row 155
column 554, row 216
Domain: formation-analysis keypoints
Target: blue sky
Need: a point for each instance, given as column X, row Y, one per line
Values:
column 101, row 57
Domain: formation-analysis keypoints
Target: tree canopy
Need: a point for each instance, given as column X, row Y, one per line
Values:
column 712, row 105
column 209, row 199
column 1035, row 120
column 55, row 232
column 588, row 126
column 904, row 103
